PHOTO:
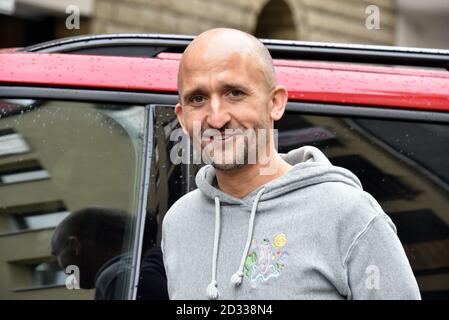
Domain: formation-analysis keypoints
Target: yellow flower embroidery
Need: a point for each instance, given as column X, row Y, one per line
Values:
column 280, row 240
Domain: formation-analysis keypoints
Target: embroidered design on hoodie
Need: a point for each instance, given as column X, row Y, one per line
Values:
column 266, row 259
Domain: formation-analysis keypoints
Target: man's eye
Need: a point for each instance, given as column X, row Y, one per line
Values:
column 197, row 99
column 236, row 92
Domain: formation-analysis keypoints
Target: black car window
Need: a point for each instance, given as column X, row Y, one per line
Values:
column 404, row 165
column 169, row 179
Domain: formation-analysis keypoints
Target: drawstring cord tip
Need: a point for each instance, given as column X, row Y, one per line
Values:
column 236, row 278
column 212, row 290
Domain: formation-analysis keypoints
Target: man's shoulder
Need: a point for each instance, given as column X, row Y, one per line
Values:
column 184, row 205
column 346, row 203
column 345, row 213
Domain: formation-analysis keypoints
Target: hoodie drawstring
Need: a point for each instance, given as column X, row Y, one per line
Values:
column 236, row 279
column 212, row 290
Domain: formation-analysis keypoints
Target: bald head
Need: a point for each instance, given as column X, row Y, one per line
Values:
column 222, row 43
column 88, row 222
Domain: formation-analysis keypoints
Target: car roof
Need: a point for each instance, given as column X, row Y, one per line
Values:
column 328, row 82
column 148, row 45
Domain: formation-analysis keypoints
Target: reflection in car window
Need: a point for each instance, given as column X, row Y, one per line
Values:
column 404, row 165
column 70, row 175
column 168, row 181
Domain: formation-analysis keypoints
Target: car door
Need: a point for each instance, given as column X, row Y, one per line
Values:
column 85, row 154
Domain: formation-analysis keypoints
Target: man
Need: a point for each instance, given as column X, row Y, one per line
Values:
column 89, row 238
column 278, row 227
column 94, row 240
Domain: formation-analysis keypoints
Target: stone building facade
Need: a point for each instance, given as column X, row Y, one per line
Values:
column 311, row 20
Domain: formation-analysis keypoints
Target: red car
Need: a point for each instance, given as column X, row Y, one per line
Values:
column 88, row 123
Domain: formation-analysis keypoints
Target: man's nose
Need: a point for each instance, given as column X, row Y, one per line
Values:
column 218, row 115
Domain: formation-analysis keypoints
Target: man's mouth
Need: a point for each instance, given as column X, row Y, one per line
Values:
column 222, row 138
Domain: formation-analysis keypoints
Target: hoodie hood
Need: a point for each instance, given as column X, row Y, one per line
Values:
column 310, row 167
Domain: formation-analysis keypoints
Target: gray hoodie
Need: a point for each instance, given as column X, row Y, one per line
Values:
column 311, row 234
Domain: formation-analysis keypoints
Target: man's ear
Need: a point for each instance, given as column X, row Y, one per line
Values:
column 74, row 245
column 279, row 99
column 178, row 111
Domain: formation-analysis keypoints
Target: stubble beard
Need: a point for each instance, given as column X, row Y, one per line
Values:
column 242, row 155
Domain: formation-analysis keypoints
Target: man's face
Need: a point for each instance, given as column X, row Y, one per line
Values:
column 226, row 92
column 61, row 250
column 67, row 251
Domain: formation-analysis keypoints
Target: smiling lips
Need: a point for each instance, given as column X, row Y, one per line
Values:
column 222, row 138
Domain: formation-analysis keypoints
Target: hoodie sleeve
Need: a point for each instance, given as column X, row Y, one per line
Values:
column 377, row 266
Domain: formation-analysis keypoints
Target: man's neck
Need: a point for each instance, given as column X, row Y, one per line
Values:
column 240, row 182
